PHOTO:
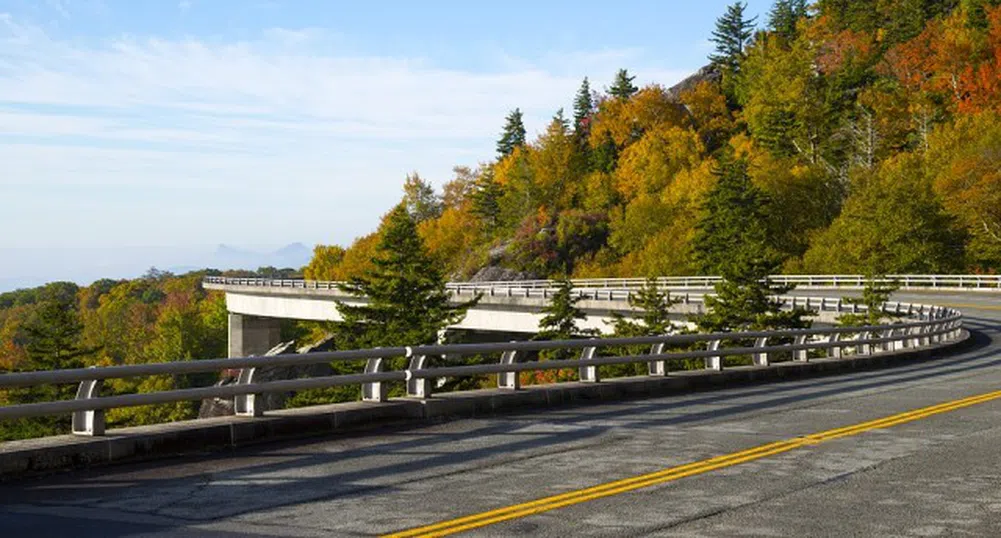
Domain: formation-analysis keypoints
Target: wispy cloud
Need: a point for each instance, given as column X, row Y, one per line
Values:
column 287, row 108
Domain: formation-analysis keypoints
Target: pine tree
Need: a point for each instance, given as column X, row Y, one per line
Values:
column 732, row 35
column 583, row 109
column 486, row 198
column 784, row 17
column 623, row 87
column 732, row 241
column 605, row 156
column 874, row 295
column 407, row 303
column 513, row 135
column 655, row 306
column 560, row 320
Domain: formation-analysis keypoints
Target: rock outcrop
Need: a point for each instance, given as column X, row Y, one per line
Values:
column 220, row 407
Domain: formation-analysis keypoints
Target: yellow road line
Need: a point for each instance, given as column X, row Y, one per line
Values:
column 545, row 504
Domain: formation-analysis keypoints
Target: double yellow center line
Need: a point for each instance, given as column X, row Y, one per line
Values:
column 545, row 504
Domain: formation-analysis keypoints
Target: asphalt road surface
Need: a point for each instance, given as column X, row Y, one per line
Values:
column 802, row 458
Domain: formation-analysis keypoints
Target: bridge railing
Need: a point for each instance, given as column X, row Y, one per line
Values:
column 965, row 282
column 929, row 326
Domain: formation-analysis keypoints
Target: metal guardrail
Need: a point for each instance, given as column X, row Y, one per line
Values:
column 986, row 282
column 933, row 326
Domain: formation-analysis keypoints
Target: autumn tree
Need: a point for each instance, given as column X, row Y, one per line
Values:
column 420, row 199
column 513, row 135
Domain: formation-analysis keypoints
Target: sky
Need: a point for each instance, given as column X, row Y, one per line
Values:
column 148, row 123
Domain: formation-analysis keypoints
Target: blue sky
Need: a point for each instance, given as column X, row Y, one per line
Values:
column 259, row 122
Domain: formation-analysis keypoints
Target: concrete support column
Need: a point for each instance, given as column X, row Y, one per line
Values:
column 249, row 335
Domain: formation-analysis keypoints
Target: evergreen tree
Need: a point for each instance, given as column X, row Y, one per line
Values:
column 513, row 135
column 583, row 109
column 52, row 342
column 486, row 198
column 732, row 35
column 874, row 295
column 605, row 156
column 655, row 306
column 732, row 241
column 784, row 17
column 560, row 320
column 407, row 303
column 623, row 87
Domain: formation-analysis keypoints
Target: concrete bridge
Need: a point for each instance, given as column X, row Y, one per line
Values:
column 257, row 306
column 904, row 451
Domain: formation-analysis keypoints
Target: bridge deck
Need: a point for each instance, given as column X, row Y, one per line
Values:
column 925, row 477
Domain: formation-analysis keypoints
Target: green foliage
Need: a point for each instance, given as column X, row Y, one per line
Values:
column 623, row 87
column 583, row 109
column 513, row 135
column 733, row 241
column 407, row 303
column 420, row 199
column 732, row 34
column 486, row 198
column 784, row 17
column 560, row 321
column 655, row 307
column 875, row 294
column 892, row 223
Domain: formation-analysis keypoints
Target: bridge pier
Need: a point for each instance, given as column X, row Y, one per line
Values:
column 250, row 335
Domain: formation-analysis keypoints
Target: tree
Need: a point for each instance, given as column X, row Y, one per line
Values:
column 623, row 87
column 875, row 294
column 485, row 198
column 784, row 17
column 583, row 109
column 655, row 306
column 891, row 223
column 732, row 35
column 407, row 303
column 732, row 241
column 513, row 135
column 560, row 323
column 420, row 198
column 324, row 264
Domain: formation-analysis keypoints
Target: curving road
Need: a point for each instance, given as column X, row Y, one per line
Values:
column 934, row 472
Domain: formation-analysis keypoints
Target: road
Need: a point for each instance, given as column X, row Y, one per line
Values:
column 737, row 462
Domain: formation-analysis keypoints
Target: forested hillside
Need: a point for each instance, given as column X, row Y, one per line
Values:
column 157, row 318
column 872, row 129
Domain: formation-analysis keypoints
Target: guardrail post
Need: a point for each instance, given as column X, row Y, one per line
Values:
column 245, row 405
column 760, row 358
column 418, row 387
column 865, row 348
column 377, row 391
column 801, row 355
column 508, row 380
column 714, row 362
column 657, row 367
column 588, row 374
column 90, row 423
column 834, row 352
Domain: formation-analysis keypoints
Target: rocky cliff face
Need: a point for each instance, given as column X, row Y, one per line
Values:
column 221, row 407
